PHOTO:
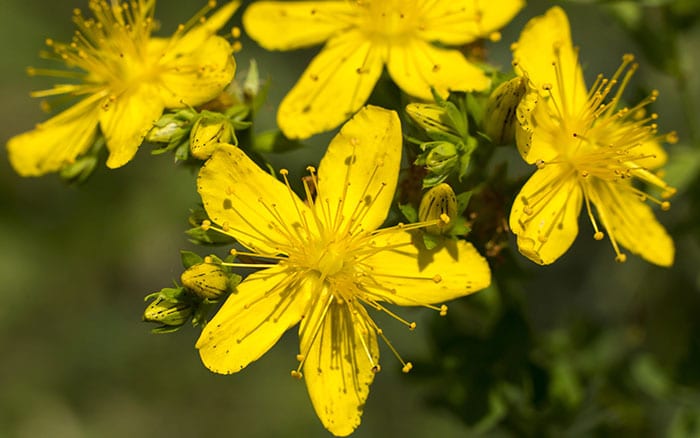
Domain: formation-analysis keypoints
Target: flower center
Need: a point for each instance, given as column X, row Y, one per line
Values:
column 331, row 260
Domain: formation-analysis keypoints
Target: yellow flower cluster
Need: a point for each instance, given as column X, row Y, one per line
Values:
column 323, row 261
column 124, row 78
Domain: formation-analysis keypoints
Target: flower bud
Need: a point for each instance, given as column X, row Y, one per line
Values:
column 208, row 131
column 500, row 114
column 440, row 159
column 431, row 117
column 206, row 280
column 171, row 127
column 167, row 312
column 439, row 202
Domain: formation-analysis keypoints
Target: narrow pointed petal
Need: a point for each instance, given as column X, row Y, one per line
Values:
column 358, row 175
column 126, row 121
column 334, row 86
column 410, row 275
column 546, row 39
column 417, row 65
column 56, row 142
column 255, row 208
column 545, row 214
column 463, row 21
column 264, row 306
column 195, row 37
column 633, row 223
column 292, row 25
column 339, row 367
column 193, row 78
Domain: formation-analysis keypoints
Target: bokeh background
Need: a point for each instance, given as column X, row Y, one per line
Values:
column 76, row 262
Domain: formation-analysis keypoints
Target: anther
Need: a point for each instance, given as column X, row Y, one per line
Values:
column 233, row 252
column 284, row 172
column 208, row 259
column 539, row 164
column 236, row 32
column 443, row 310
column 598, row 235
column 406, row 368
column 547, row 87
column 412, row 326
column 296, row 374
column 377, row 368
column 445, row 219
column 437, row 278
column 206, row 223
column 665, row 206
column 300, row 357
column 621, row 258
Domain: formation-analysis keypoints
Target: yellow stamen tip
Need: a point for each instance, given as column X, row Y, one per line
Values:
column 300, row 357
column 412, row 326
column 443, row 310
column 445, row 218
column 377, row 368
column 236, row 32
column 208, row 259
column 598, row 235
column 284, row 172
column 206, row 223
column 296, row 374
column 621, row 258
column 233, row 252
column 406, row 368
column 437, row 278
column 665, row 206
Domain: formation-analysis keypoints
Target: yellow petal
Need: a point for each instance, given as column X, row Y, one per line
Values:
column 192, row 41
column 248, row 201
column 291, row 25
column 193, row 78
column 544, row 40
column 459, row 22
column 538, row 134
column 407, row 274
column 126, row 120
column 360, row 170
column 633, row 224
column 545, row 214
column 417, row 65
column 334, row 86
column 56, row 142
column 339, row 365
column 252, row 319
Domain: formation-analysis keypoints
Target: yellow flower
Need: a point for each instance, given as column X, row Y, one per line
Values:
column 328, row 264
column 125, row 78
column 590, row 151
column 361, row 37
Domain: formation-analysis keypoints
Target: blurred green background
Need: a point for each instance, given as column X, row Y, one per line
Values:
column 76, row 262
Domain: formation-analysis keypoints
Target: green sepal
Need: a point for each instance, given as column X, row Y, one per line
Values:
column 409, row 212
column 201, row 237
column 190, row 258
column 80, row 170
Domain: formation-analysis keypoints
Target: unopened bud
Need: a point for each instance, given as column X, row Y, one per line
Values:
column 167, row 312
column 207, row 133
column 206, row 280
column 438, row 203
column 500, row 114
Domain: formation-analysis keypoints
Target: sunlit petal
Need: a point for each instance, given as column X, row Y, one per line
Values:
column 334, row 86
column 407, row 274
column 255, row 207
column 252, row 319
column 358, row 174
